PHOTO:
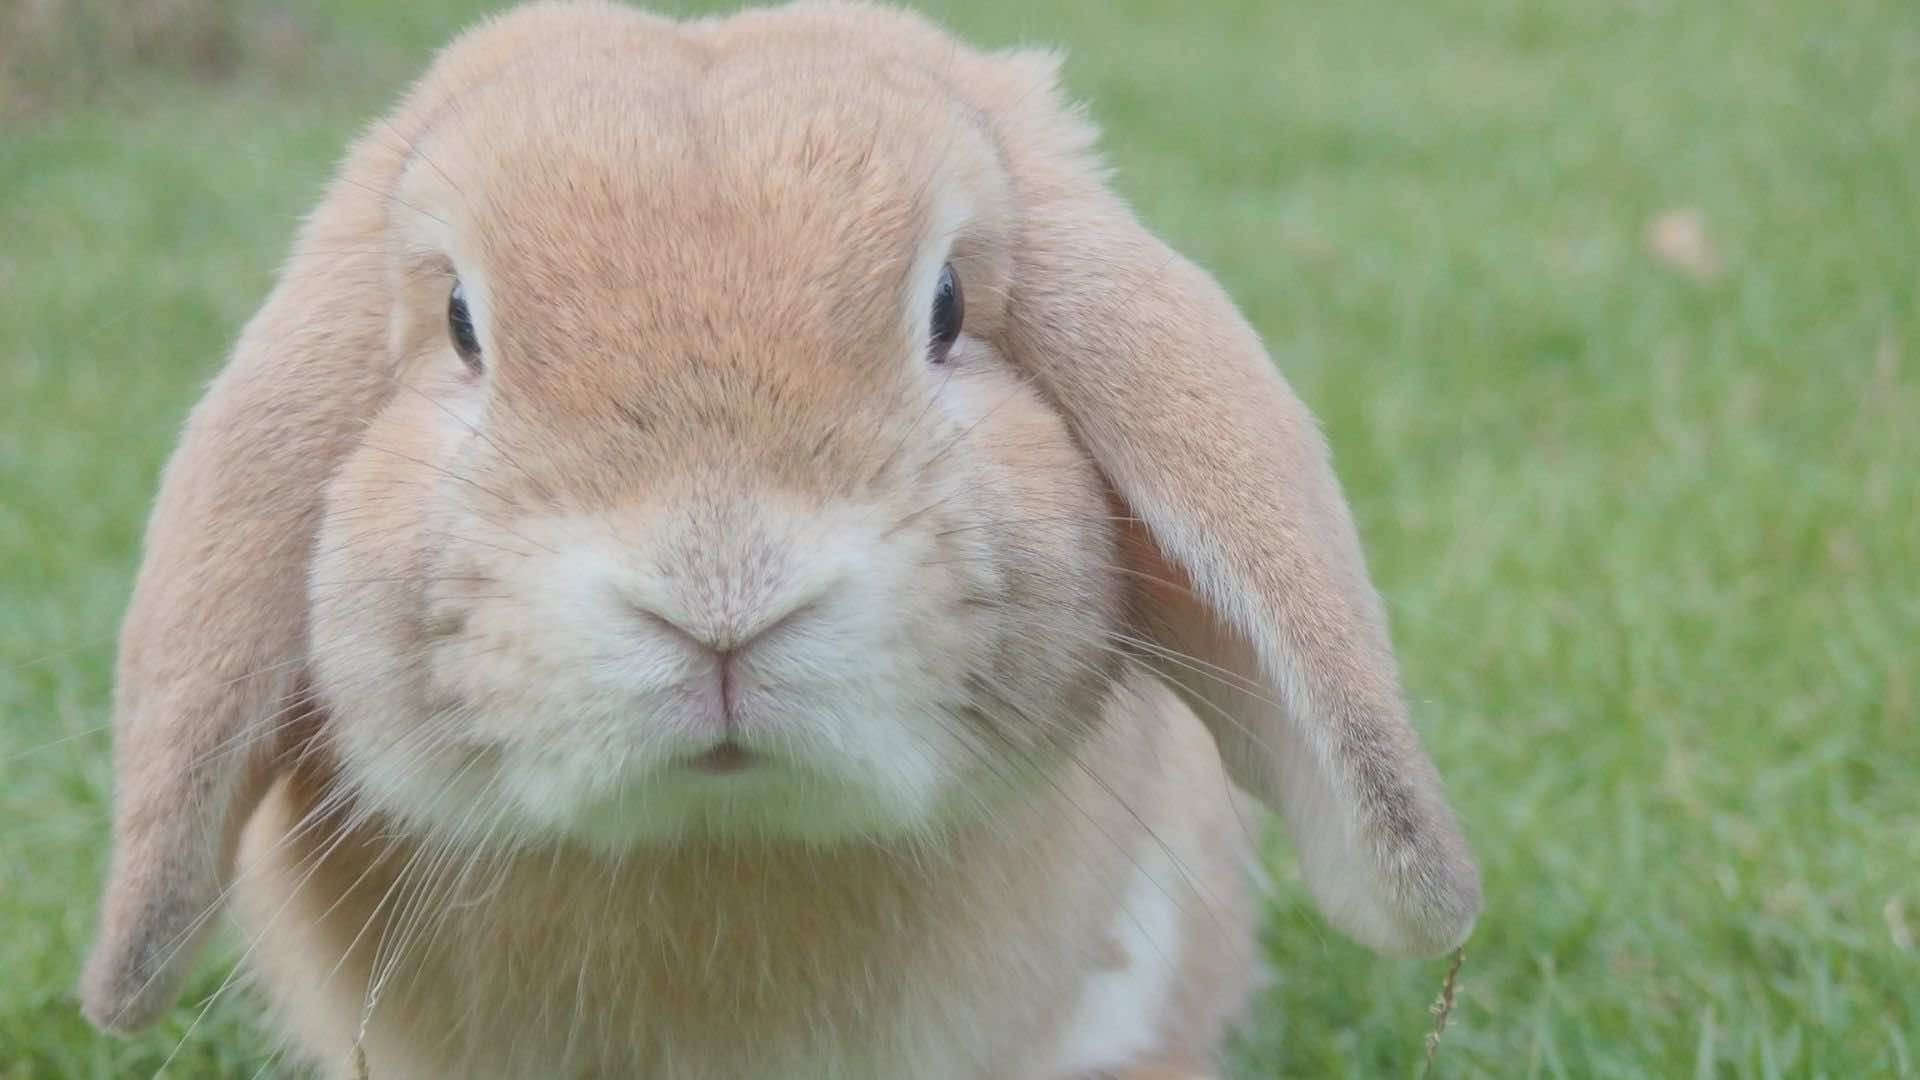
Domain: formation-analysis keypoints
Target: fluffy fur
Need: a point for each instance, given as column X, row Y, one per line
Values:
column 425, row 665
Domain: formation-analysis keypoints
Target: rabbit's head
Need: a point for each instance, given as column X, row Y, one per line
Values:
column 708, row 500
column 768, row 426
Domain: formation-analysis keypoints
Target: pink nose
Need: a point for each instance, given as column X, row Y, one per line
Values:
column 722, row 646
column 715, row 689
column 724, row 637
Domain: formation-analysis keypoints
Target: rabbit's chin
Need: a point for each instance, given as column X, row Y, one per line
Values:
column 614, row 803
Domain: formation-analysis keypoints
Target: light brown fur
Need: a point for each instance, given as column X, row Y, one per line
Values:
column 745, row 961
column 693, row 234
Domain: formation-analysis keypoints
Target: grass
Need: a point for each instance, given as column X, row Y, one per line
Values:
column 1651, row 540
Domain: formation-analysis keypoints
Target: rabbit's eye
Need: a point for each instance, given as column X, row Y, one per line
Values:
column 949, row 308
column 460, row 326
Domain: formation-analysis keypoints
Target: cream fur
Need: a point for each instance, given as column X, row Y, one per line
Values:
column 427, row 615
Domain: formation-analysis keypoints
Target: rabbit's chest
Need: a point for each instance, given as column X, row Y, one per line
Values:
column 747, row 1005
column 730, row 966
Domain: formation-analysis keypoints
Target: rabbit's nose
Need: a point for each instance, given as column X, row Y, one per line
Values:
column 725, row 592
column 723, row 634
column 729, row 645
column 749, row 586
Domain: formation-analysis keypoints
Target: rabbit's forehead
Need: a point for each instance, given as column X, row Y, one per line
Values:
column 770, row 196
column 751, row 154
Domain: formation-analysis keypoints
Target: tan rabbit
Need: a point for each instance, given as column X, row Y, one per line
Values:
column 731, row 553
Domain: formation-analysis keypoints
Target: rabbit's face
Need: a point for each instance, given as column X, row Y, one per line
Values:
column 704, row 503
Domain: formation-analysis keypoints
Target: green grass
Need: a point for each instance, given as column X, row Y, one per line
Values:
column 1651, row 543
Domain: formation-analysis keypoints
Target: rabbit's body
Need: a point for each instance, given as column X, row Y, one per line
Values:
column 1075, row 932
column 730, row 553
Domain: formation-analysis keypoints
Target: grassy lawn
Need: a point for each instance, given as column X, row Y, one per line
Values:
column 1650, row 533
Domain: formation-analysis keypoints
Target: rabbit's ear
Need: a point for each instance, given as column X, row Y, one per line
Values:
column 212, row 652
column 211, row 675
column 1262, row 614
column 212, row 649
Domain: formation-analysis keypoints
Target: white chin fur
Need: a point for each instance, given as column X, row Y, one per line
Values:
column 774, row 800
column 613, row 802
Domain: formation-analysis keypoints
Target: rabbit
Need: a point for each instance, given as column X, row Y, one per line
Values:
column 730, row 552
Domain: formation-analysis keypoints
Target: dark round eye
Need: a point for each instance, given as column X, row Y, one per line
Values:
column 949, row 309
column 460, row 325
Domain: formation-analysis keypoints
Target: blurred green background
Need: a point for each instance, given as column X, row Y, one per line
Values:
column 1611, row 309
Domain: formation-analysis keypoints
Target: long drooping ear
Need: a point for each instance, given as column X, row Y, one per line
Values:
column 213, row 647
column 1266, row 619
